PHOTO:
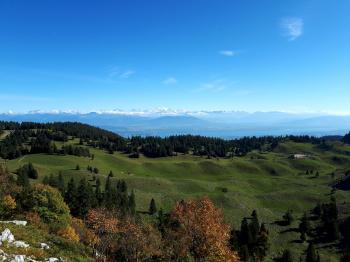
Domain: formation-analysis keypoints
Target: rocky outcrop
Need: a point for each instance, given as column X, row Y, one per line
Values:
column 7, row 237
column 16, row 222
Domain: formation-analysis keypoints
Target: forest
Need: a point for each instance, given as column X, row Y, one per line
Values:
column 28, row 137
column 100, row 212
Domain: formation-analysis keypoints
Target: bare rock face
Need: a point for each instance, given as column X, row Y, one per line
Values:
column 44, row 246
column 18, row 258
column 6, row 236
column 16, row 222
column 53, row 259
column 21, row 244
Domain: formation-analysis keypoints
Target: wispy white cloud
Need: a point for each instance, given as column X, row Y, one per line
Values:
column 127, row 74
column 228, row 52
column 170, row 81
column 292, row 27
column 216, row 85
column 117, row 72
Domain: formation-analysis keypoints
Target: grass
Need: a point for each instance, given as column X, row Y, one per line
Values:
column 270, row 182
column 59, row 247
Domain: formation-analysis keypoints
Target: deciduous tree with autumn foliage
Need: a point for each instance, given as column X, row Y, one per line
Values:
column 204, row 231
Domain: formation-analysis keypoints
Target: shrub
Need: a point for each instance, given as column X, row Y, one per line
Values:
column 29, row 170
column 69, row 233
column 86, row 235
column 48, row 203
column 7, row 206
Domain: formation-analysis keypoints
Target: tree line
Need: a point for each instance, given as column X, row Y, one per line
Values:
column 28, row 137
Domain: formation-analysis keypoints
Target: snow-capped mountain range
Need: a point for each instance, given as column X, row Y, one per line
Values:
column 227, row 124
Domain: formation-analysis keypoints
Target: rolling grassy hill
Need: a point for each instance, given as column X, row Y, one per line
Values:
column 270, row 182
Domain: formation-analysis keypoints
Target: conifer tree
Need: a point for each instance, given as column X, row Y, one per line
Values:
column 286, row 256
column 244, row 253
column 83, row 198
column 254, row 226
column 304, row 225
column 302, row 237
column 246, row 237
column 288, row 217
column 60, row 183
column 107, row 197
column 152, row 207
column 262, row 244
column 32, row 173
column 132, row 204
column 70, row 196
column 22, row 178
column 46, row 180
column 311, row 254
column 98, row 192
column 52, row 181
column 318, row 210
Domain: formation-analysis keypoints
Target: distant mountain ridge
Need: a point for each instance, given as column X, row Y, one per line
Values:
column 226, row 124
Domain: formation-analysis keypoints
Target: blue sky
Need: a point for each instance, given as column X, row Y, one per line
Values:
column 260, row 55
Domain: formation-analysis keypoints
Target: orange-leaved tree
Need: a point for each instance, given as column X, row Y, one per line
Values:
column 204, row 229
column 138, row 242
column 105, row 226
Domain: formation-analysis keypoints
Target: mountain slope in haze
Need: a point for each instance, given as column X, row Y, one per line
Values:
column 209, row 123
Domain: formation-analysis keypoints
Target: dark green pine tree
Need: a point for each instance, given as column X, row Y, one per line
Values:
column 92, row 195
column 32, row 173
column 152, row 207
column 234, row 241
column 162, row 222
column 108, row 196
column 318, row 210
column 244, row 253
column 22, row 178
column 246, row 237
column 304, row 226
column 334, row 233
column 288, row 217
column 123, row 188
column 311, row 254
column 70, row 197
column 262, row 245
column 286, row 256
column 120, row 198
column 52, row 181
column 84, row 198
column 132, row 203
column 46, row 180
column 254, row 226
column 98, row 192
column 60, row 183
column 122, row 203
column 302, row 237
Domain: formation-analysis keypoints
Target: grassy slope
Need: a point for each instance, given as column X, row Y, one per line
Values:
column 33, row 236
column 270, row 183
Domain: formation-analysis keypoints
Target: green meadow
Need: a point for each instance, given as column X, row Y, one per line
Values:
column 270, row 182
